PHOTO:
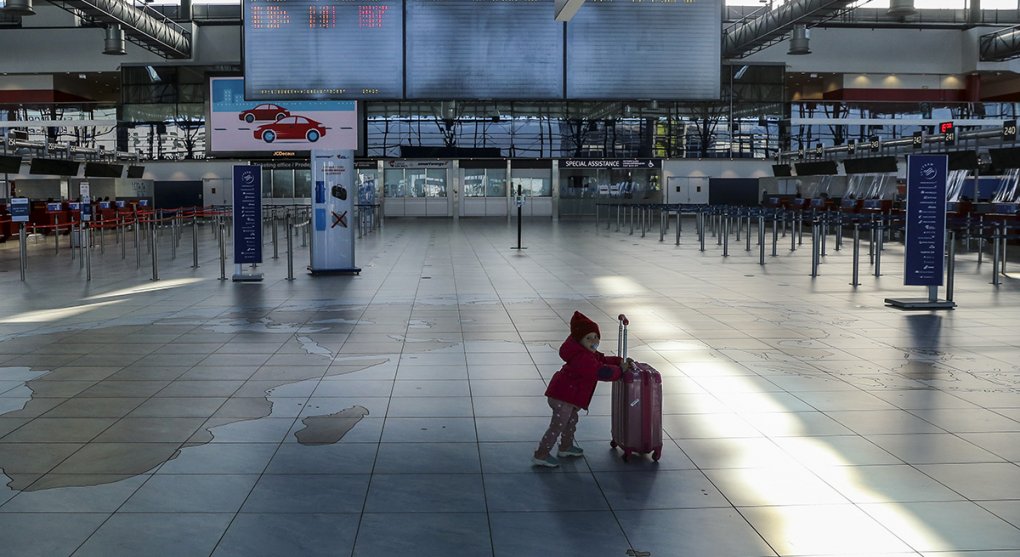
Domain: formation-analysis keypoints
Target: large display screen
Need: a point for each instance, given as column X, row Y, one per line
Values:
column 621, row 49
column 326, row 49
column 240, row 126
column 483, row 49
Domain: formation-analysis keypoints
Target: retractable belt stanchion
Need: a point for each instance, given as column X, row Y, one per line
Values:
column 630, row 218
column 717, row 228
column 290, row 249
column 815, row 247
column 121, row 231
column 86, row 241
column 153, row 249
column 857, row 255
column 793, row 232
column 701, row 229
column 824, row 232
column 643, row 212
column 22, row 249
column 138, row 249
column 996, row 255
column 81, row 244
column 726, row 237
column 1005, row 247
column 663, row 223
column 775, row 233
column 56, row 234
column 800, row 228
column 747, row 237
column 951, row 266
column 678, row 225
column 761, row 239
column 878, row 248
column 102, row 242
column 839, row 231
column 173, row 238
column 276, row 242
column 223, row 251
column 194, row 240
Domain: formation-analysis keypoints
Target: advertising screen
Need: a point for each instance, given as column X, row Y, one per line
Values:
column 620, row 49
column 483, row 49
column 333, row 49
column 240, row 126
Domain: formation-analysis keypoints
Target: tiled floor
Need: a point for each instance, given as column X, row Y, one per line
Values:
column 395, row 413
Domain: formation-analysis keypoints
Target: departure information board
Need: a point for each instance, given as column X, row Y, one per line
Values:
column 657, row 49
column 323, row 49
column 483, row 49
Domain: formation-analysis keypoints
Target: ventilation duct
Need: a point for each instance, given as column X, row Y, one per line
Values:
column 901, row 8
column 18, row 8
column 799, row 41
column 114, row 40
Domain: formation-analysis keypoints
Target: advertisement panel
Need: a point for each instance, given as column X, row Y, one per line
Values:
column 333, row 197
column 240, row 126
column 925, row 239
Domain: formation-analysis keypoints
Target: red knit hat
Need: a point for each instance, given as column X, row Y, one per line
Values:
column 580, row 326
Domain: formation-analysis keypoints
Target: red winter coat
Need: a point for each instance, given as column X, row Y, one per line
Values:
column 575, row 382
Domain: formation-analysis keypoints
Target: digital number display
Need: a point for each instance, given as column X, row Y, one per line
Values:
column 323, row 49
column 656, row 49
column 484, row 49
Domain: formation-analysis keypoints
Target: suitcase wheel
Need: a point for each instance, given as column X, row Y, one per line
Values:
column 626, row 455
column 613, row 444
column 656, row 455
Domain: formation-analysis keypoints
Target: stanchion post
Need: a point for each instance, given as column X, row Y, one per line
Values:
column 839, row 231
column 223, row 252
column 996, row 255
column 951, row 266
column 701, row 229
column 761, row 239
column 726, row 237
column 154, row 249
column 138, row 248
column 22, row 249
column 878, row 249
column 815, row 247
column 56, row 234
column 276, row 243
column 86, row 241
column 290, row 249
column 194, row 240
column 857, row 255
column 775, row 233
column 678, row 225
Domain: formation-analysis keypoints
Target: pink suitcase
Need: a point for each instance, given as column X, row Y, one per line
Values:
column 637, row 406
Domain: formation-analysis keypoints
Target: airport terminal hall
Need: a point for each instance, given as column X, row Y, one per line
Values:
column 509, row 278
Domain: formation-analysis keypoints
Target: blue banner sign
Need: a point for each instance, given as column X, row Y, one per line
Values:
column 247, row 214
column 54, row 207
column 926, row 220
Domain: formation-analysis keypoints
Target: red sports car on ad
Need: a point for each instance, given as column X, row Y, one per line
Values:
column 263, row 112
column 291, row 127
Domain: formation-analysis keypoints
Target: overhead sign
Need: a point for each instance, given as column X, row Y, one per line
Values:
column 247, row 214
column 19, row 209
column 611, row 163
column 1009, row 130
column 948, row 132
column 333, row 198
column 417, row 164
column 290, row 127
column 925, row 240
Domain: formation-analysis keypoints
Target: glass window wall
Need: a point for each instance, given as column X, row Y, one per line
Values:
column 415, row 182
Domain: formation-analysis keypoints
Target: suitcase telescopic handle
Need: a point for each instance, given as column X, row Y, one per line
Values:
column 621, row 343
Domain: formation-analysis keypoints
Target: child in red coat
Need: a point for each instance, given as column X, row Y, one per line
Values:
column 572, row 387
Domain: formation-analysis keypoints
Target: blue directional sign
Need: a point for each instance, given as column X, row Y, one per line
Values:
column 247, row 214
column 926, row 220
